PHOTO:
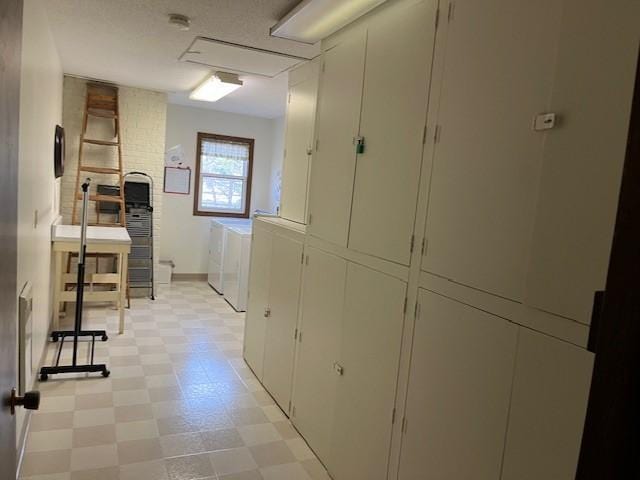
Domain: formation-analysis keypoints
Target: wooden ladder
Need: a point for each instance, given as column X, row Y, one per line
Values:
column 101, row 102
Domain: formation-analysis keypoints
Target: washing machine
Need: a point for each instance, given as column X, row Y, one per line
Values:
column 217, row 241
column 235, row 276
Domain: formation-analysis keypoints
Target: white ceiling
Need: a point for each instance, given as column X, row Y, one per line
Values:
column 130, row 42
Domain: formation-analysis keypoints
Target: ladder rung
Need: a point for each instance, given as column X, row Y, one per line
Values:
column 114, row 171
column 103, row 198
column 103, row 114
column 107, row 107
column 101, row 142
column 101, row 97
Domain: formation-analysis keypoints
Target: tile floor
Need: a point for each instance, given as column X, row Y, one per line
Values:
column 180, row 403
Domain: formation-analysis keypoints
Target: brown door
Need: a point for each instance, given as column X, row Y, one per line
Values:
column 610, row 440
column 10, row 53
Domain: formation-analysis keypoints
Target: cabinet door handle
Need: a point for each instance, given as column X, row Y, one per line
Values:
column 338, row 368
column 267, row 312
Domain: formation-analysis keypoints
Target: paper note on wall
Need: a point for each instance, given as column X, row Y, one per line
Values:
column 177, row 180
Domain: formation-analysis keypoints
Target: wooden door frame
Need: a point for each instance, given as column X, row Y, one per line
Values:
column 611, row 437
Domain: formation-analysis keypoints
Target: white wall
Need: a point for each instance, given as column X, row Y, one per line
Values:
column 183, row 236
column 276, row 163
column 142, row 115
column 38, row 191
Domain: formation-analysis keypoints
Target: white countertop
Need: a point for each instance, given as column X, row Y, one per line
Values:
column 71, row 233
column 240, row 229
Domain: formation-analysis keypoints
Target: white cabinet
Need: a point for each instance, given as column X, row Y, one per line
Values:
column 394, row 105
column 301, row 110
column 347, row 364
column 367, row 368
column 459, row 388
column 258, row 298
column 272, row 313
column 315, row 378
column 373, row 91
column 332, row 169
column 548, row 407
column 282, row 317
column 498, row 75
column 521, row 213
column 583, row 158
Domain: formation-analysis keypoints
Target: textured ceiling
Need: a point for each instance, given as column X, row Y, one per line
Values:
column 131, row 43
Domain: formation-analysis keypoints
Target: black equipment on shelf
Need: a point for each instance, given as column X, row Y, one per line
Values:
column 137, row 193
column 109, row 207
column 138, row 199
column 78, row 332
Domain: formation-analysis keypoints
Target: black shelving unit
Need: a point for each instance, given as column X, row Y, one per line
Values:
column 138, row 198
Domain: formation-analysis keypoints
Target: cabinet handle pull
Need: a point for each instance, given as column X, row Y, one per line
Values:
column 267, row 312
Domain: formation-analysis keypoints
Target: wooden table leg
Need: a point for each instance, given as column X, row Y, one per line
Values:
column 57, row 288
column 124, row 263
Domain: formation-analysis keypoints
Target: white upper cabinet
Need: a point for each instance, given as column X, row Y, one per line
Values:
column 281, row 318
column 498, row 75
column 258, row 299
column 459, row 389
column 548, row 408
column 321, row 331
column 367, row 371
column 301, row 110
column 396, row 83
column 583, row 156
column 333, row 166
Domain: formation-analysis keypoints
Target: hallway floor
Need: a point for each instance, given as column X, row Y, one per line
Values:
column 180, row 403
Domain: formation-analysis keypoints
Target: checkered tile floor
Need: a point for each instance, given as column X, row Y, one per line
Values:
column 180, row 403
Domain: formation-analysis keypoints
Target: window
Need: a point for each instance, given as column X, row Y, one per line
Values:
column 223, row 175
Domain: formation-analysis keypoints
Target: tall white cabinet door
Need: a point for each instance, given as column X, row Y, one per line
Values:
column 301, row 112
column 338, row 118
column 583, row 158
column 255, row 321
column 284, row 293
column 367, row 374
column 548, row 408
column 458, row 400
column 394, row 104
column 315, row 378
column 498, row 74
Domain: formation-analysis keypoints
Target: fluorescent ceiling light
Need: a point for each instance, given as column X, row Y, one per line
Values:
column 216, row 86
column 312, row 20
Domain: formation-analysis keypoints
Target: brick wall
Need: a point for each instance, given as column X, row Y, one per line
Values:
column 143, row 123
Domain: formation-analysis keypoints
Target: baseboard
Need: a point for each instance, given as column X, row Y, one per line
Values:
column 188, row 277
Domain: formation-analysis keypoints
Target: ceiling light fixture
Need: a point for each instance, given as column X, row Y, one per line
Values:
column 216, row 86
column 181, row 22
column 312, row 20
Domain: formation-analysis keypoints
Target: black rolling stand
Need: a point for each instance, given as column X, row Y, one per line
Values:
column 77, row 332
